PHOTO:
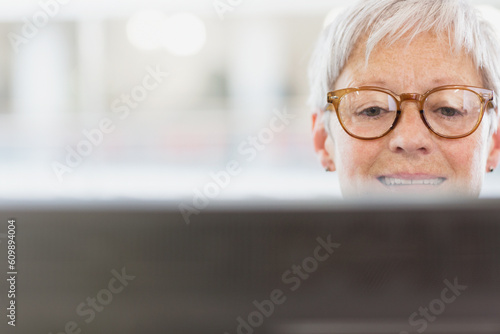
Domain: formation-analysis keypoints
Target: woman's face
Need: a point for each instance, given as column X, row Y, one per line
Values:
column 410, row 151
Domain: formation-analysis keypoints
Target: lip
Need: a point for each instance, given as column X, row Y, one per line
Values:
column 411, row 180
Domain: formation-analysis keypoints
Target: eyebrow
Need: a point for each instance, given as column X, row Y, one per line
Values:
column 374, row 83
column 447, row 81
column 435, row 82
column 441, row 81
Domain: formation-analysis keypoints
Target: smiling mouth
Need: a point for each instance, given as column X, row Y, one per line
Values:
column 392, row 181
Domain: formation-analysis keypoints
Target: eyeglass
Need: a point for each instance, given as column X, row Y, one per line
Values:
column 448, row 111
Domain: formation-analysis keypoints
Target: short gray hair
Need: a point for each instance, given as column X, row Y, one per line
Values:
column 397, row 19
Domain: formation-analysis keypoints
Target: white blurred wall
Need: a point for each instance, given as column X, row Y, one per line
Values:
column 72, row 75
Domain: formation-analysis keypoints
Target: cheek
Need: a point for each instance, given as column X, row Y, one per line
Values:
column 353, row 157
column 461, row 154
column 467, row 156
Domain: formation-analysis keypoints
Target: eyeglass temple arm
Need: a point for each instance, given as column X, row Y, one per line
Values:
column 493, row 101
column 490, row 97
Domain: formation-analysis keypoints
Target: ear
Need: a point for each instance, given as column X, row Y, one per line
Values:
column 494, row 151
column 319, row 138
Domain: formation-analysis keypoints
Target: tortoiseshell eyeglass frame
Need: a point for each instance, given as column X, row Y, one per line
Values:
column 486, row 96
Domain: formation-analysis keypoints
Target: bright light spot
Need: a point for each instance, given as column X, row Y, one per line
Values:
column 144, row 29
column 184, row 34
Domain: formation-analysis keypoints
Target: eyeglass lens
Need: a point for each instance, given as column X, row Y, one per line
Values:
column 449, row 112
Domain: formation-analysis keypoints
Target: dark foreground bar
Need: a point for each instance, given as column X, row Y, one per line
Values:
column 262, row 268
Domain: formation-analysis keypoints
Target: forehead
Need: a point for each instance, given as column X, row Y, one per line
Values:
column 429, row 60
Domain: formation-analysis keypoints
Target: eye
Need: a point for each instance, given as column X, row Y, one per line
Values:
column 371, row 112
column 449, row 112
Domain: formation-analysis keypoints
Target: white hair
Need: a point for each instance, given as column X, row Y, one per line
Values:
column 393, row 20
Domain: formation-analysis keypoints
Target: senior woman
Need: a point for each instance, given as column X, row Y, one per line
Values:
column 404, row 97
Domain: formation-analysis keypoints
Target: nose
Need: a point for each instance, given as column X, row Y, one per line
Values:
column 410, row 136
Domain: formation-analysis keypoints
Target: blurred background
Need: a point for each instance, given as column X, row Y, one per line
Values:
column 161, row 99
